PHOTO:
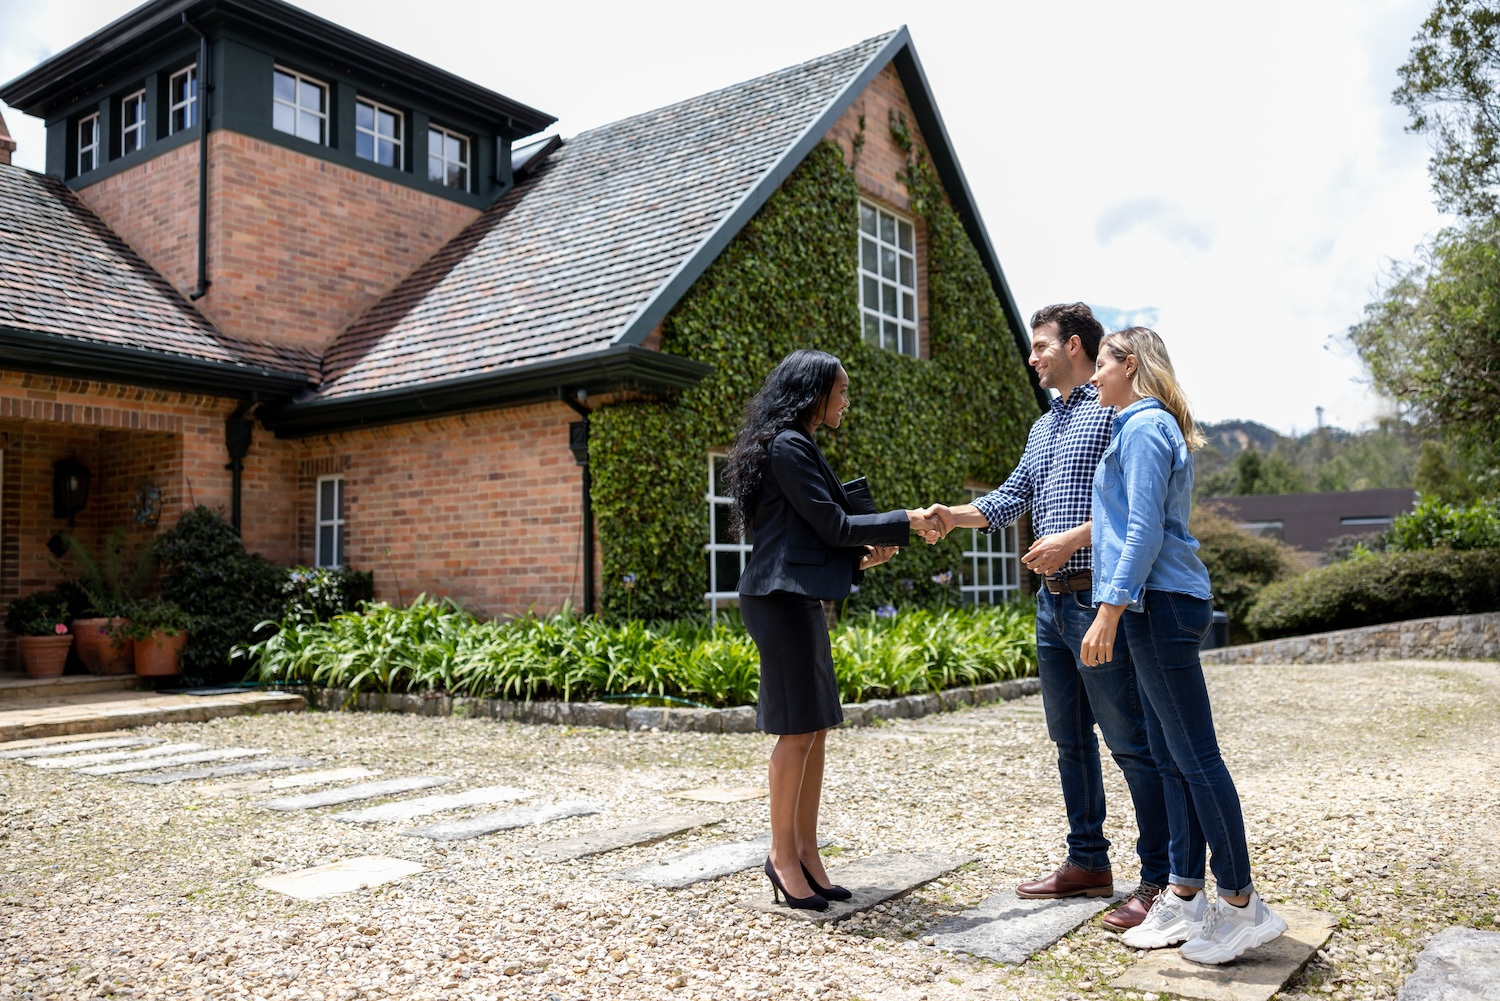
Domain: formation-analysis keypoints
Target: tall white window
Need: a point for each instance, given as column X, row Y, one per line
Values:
column 133, row 123
column 992, row 565
column 887, row 280
column 330, row 521
column 447, row 158
column 183, row 99
column 300, row 106
column 726, row 555
column 377, row 133
column 88, row 143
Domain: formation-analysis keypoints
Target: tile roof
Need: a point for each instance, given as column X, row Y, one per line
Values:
column 63, row 272
column 561, row 265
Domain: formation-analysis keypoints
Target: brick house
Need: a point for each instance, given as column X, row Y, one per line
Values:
column 365, row 317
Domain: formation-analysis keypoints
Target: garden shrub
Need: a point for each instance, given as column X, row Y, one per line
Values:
column 38, row 613
column 1239, row 565
column 1383, row 587
column 1435, row 525
column 317, row 594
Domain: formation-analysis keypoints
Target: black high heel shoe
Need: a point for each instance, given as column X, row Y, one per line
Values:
column 812, row 903
column 834, row 892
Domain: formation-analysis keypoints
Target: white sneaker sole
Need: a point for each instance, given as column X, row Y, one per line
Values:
column 1246, row 938
column 1160, row 938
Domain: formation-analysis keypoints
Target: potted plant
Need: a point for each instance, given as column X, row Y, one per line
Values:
column 41, row 622
column 110, row 579
column 160, row 630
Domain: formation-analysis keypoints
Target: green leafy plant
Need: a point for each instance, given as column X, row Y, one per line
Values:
column 316, row 594
column 38, row 613
column 150, row 616
column 1435, row 525
column 1239, row 565
column 111, row 577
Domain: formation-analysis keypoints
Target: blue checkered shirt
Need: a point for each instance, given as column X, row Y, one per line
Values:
column 1055, row 478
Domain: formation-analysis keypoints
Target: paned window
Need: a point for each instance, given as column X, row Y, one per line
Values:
column 726, row 555
column 300, row 106
column 133, row 123
column 377, row 133
column 183, row 99
column 992, row 565
column 88, row 143
column 447, row 158
column 330, row 521
column 887, row 280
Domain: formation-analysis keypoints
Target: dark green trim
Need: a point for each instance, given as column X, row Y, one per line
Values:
column 612, row 370
column 153, row 149
column 54, row 354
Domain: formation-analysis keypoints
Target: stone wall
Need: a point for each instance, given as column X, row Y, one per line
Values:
column 1446, row 637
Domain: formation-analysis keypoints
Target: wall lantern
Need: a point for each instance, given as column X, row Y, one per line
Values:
column 70, row 488
column 578, row 441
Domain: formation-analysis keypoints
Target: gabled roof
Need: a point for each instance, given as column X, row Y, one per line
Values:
column 76, row 299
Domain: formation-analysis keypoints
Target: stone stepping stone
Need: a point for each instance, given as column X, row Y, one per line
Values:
column 288, row 781
column 354, row 793
column 406, row 809
column 504, row 820
column 69, row 738
column 217, row 771
column 149, row 764
column 721, row 794
column 599, row 842
column 340, row 877
column 107, row 757
column 1459, row 964
column 1255, row 976
column 706, row 863
column 48, row 750
column 1007, row 929
column 873, row 880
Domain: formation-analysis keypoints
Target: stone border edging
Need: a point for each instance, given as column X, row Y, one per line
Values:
column 736, row 719
column 1442, row 637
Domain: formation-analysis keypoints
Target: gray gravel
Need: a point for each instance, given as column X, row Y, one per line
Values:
column 1371, row 791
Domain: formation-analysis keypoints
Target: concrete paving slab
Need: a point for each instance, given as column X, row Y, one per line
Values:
column 1255, row 976
column 503, row 820
column 340, row 877
column 1007, row 929
column 94, row 712
column 873, row 880
column 148, row 764
column 108, row 757
column 72, row 738
column 721, row 794
column 288, row 781
column 406, row 809
column 74, row 745
column 599, row 842
column 355, row 793
column 218, row 771
column 712, row 862
column 1458, row 964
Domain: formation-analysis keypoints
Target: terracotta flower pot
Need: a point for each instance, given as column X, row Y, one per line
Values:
column 45, row 656
column 99, row 651
column 159, row 655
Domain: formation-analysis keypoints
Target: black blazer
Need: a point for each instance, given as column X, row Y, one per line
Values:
column 808, row 540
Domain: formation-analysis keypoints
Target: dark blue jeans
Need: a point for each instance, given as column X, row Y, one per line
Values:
column 1202, row 803
column 1075, row 698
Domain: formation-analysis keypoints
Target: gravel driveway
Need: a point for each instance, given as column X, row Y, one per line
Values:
column 1372, row 791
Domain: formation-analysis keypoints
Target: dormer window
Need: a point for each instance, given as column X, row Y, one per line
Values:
column 183, row 90
column 448, row 158
column 377, row 133
column 133, row 122
column 88, row 143
column 300, row 106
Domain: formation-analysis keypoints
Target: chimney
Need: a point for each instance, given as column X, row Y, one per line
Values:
column 7, row 144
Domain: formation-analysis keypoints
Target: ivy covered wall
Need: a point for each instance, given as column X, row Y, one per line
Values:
column 917, row 428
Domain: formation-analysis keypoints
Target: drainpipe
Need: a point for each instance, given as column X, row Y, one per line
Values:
column 204, row 87
column 578, row 441
column 239, row 429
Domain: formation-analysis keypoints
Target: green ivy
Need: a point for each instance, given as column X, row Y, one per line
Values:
column 917, row 428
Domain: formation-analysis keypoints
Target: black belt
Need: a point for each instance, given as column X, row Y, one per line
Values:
column 1082, row 580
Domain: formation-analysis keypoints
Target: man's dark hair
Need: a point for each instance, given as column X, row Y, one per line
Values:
column 1073, row 319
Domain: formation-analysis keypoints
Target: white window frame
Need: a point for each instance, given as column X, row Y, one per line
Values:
column 91, row 148
column 718, row 510
column 188, row 106
column 336, row 519
column 1001, row 551
column 376, row 139
column 441, row 156
column 298, row 110
column 133, row 135
column 891, row 285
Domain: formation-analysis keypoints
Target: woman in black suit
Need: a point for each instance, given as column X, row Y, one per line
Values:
column 810, row 546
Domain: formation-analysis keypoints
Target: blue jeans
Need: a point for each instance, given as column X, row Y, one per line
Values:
column 1202, row 803
column 1075, row 698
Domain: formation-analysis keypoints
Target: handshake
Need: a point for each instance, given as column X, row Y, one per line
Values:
column 933, row 523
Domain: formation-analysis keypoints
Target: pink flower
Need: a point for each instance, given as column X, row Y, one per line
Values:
column 60, row 629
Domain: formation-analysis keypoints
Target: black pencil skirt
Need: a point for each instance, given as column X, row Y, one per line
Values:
column 798, row 690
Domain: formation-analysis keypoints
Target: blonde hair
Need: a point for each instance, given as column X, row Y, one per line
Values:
column 1154, row 376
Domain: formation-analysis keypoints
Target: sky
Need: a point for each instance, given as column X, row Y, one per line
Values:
column 1236, row 174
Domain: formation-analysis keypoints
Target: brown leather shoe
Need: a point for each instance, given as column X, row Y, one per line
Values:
column 1069, row 881
column 1133, row 911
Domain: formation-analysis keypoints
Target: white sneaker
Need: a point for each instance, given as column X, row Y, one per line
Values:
column 1171, row 920
column 1229, row 931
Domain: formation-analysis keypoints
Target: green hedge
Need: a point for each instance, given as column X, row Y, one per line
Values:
column 1240, row 565
column 1384, row 587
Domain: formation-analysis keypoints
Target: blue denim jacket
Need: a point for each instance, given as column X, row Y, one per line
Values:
column 1143, row 491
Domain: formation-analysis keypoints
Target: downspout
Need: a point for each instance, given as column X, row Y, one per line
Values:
column 578, row 441
column 204, row 88
column 239, row 429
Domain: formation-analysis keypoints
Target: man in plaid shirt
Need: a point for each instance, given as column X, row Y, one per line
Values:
column 1054, row 481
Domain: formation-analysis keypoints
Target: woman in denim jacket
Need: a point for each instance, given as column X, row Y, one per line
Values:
column 1147, row 574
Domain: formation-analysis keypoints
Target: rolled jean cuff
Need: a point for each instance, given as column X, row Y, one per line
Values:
column 1177, row 880
column 1089, row 868
column 1226, row 892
